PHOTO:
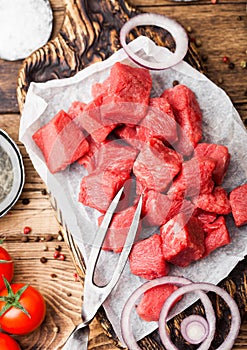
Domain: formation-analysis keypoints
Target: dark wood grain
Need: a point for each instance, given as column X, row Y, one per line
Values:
column 221, row 29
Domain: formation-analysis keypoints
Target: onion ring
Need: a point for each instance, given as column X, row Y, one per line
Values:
column 127, row 334
column 178, row 33
column 197, row 325
column 186, row 286
column 207, row 287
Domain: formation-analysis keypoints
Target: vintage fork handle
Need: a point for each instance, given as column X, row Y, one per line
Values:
column 78, row 339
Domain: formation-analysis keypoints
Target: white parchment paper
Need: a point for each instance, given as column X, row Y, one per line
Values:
column 221, row 124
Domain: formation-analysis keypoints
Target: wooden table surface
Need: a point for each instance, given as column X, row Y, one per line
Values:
column 218, row 30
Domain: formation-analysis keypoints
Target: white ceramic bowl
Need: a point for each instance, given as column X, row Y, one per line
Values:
column 9, row 146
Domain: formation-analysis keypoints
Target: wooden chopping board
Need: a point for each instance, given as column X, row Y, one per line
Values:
column 91, row 33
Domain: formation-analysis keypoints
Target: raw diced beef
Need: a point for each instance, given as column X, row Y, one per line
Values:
column 146, row 258
column 156, row 166
column 101, row 88
column 238, row 201
column 90, row 120
column 118, row 229
column 158, row 208
column 188, row 115
column 114, row 156
column 159, row 122
column 221, row 156
column 217, row 235
column 153, row 299
column 204, row 216
column 76, row 109
column 131, row 136
column 86, row 159
column 98, row 189
column 61, row 142
column 182, row 242
column 215, row 202
column 194, row 178
column 127, row 95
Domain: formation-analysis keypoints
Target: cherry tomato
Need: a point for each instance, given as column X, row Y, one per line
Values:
column 6, row 267
column 8, row 343
column 14, row 320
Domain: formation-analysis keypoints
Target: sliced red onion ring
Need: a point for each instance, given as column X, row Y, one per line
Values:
column 186, row 286
column 194, row 329
column 207, row 287
column 127, row 333
column 178, row 33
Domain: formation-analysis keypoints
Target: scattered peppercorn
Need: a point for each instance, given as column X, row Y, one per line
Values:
column 189, row 29
column 45, row 247
column 48, row 238
column 62, row 257
column 60, row 237
column 43, row 260
column 220, row 80
column 198, row 42
column 53, row 275
column 225, row 59
column 55, row 329
column 36, row 239
column 25, row 201
column 204, row 57
column 69, row 294
column 175, row 82
column 76, row 277
column 27, row 230
column 56, row 254
column 243, row 64
column 43, row 192
column 24, row 239
column 231, row 65
column 214, row 2
column 58, row 248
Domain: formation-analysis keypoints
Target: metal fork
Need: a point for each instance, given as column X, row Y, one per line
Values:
column 95, row 295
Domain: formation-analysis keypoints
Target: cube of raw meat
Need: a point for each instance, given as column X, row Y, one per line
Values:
column 61, row 142
column 159, row 122
column 152, row 301
column 128, row 93
column 182, row 240
column 131, row 136
column 86, row 159
column 215, row 202
column 101, row 88
column 90, row 120
column 76, row 109
column 114, row 156
column 98, row 189
column 158, row 208
column 146, row 258
column 238, row 201
column 204, row 216
column 188, row 115
column 194, row 178
column 217, row 235
column 118, row 229
column 221, row 156
column 156, row 166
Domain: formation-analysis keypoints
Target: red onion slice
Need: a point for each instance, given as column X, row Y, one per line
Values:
column 178, row 33
column 207, row 287
column 194, row 329
column 127, row 333
column 186, row 286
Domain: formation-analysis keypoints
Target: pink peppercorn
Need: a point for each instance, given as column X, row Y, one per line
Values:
column 27, row 230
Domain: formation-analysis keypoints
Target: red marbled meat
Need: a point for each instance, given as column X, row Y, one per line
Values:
column 159, row 122
column 61, row 142
column 182, row 240
column 146, row 258
column 238, row 202
column 221, row 156
column 188, row 115
column 98, row 189
column 75, row 109
column 205, row 217
column 194, row 178
column 156, row 166
column 125, row 94
column 217, row 235
column 118, row 229
column 215, row 202
column 152, row 301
